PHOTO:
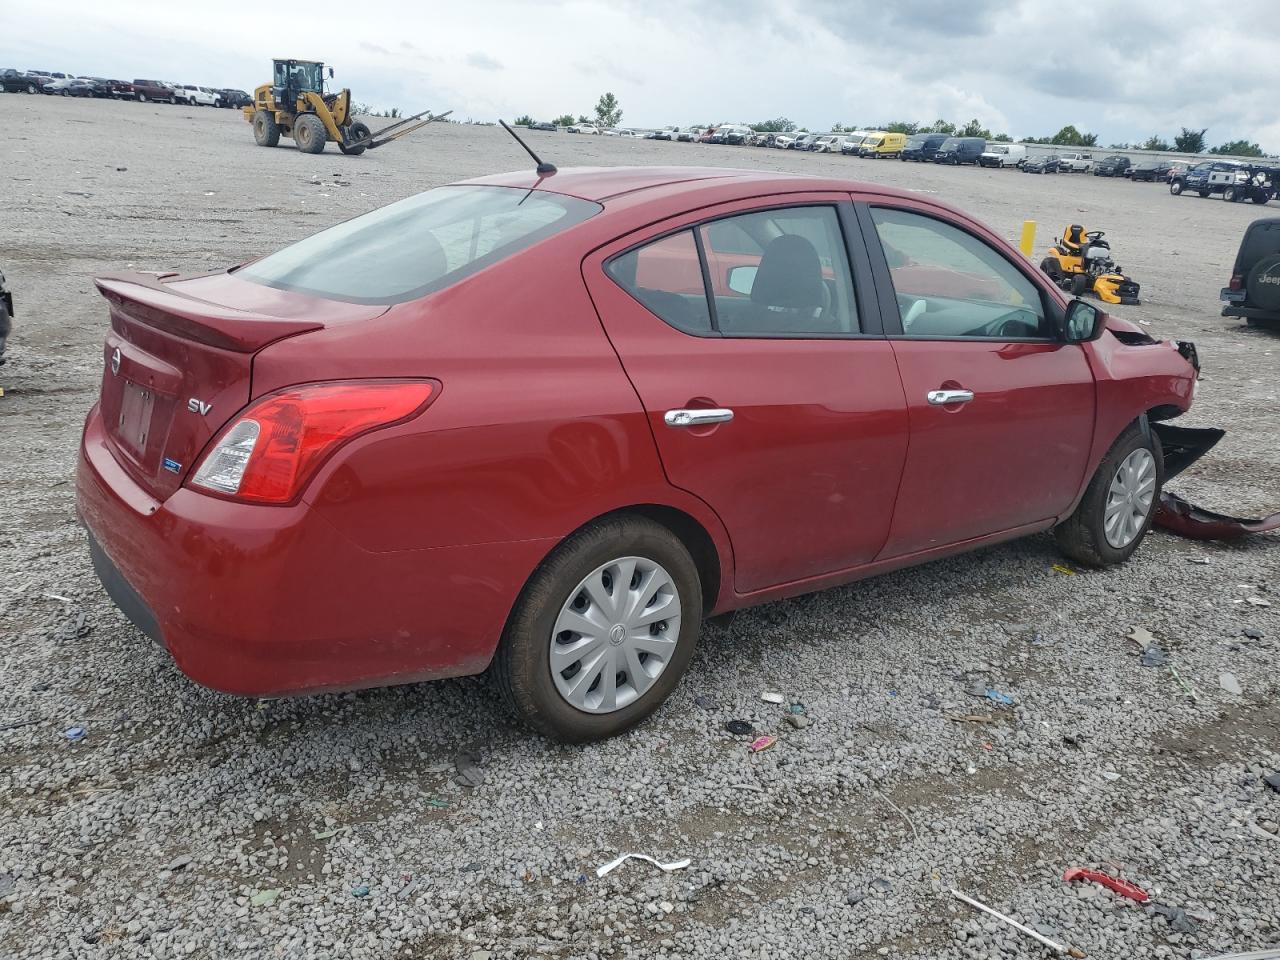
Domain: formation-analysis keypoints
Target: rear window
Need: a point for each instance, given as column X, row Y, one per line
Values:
column 420, row 244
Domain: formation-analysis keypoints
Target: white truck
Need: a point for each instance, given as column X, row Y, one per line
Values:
column 197, row 96
column 1075, row 162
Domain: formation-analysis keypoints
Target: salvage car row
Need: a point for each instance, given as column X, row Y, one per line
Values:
column 161, row 91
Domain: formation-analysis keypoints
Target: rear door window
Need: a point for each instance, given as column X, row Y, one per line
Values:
column 666, row 276
column 418, row 245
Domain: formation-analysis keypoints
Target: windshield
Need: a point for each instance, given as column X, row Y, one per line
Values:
column 951, row 143
column 301, row 76
column 418, row 245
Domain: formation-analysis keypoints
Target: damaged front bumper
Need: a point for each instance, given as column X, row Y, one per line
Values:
column 1182, row 447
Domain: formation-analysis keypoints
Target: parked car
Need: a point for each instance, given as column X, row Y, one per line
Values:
column 146, row 90
column 16, row 81
column 55, row 75
column 866, row 139
column 665, row 133
column 805, row 142
column 235, row 98
column 366, row 412
column 68, row 87
column 828, row 144
column 1254, row 289
column 1196, row 179
column 581, row 128
column 688, row 135
column 958, row 150
column 194, row 96
column 784, row 141
column 1075, row 163
column 1112, row 166
column 6, row 316
column 1003, row 155
column 1149, row 170
column 1040, row 165
column 1254, row 182
column 922, row 147
column 883, row 145
column 733, row 134
column 706, row 135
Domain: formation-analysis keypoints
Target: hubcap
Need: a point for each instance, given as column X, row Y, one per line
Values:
column 1129, row 499
column 615, row 634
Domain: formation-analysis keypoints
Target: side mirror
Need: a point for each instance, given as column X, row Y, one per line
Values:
column 1082, row 322
column 742, row 279
column 331, row 73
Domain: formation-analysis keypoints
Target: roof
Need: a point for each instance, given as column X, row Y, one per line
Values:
column 604, row 183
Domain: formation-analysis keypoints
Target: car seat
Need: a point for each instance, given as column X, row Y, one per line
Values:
column 788, row 281
column 1073, row 240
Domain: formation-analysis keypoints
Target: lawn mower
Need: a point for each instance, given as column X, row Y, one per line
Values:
column 1081, row 263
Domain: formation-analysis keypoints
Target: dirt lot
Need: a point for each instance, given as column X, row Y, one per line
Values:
column 190, row 823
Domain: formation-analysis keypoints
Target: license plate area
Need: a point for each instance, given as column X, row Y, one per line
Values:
column 137, row 409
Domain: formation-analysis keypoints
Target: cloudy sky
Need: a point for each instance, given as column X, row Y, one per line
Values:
column 1124, row 70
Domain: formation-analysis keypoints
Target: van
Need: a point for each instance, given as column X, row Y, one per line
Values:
column 958, row 150
column 853, row 142
column 921, row 147
column 1003, row 155
column 883, row 145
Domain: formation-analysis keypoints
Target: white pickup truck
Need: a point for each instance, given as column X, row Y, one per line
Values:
column 1075, row 162
column 197, row 96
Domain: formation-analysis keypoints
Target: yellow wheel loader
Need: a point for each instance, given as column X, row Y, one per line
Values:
column 295, row 105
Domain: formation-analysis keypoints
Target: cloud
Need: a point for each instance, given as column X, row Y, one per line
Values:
column 1122, row 70
column 482, row 61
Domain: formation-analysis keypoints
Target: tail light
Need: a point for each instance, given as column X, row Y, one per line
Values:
column 269, row 452
column 1237, row 282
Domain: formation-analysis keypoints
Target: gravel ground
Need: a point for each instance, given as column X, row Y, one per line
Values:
column 187, row 823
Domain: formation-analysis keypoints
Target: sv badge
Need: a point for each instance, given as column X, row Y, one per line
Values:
column 199, row 406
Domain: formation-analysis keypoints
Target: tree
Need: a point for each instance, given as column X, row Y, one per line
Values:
column 1069, row 136
column 939, row 126
column 1239, row 148
column 776, row 125
column 583, row 119
column 564, row 120
column 1155, row 142
column 1002, row 138
column 523, row 121
column 973, row 129
column 1190, row 141
column 901, row 126
column 1088, row 139
column 608, row 111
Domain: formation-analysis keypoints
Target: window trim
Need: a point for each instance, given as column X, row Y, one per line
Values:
column 888, row 294
column 861, row 273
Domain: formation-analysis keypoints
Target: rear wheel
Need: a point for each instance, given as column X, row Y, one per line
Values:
column 1261, row 197
column 1116, row 511
column 602, row 632
column 309, row 133
column 1079, row 284
column 266, row 132
column 32, row 88
column 1203, row 193
column 1229, row 194
column 1175, row 187
column 1051, row 269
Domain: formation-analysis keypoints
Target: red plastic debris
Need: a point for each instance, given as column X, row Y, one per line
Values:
column 1122, row 887
column 1197, row 523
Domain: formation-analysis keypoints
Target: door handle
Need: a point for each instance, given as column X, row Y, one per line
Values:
column 696, row 418
column 941, row 398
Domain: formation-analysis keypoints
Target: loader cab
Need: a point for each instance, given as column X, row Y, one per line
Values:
column 292, row 78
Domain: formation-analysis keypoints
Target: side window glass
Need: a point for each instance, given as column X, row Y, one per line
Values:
column 781, row 272
column 666, row 277
column 950, row 283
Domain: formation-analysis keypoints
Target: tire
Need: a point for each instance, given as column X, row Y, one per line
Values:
column 1204, row 194
column 1079, row 284
column 142, row 98
column 1263, row 283
column 1083, row 536
column 1050, row 268
column 356, row 131
column 1175, row 187
column 309, row 133
column 266, row 132
column 65, row 92
column 32, row 88
column 522, row 666
column 1261, row 198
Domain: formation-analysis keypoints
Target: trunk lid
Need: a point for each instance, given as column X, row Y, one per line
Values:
column 178, row 363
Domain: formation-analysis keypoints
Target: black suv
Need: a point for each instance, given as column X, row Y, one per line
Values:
column 1254, row 290
column 1113, row 166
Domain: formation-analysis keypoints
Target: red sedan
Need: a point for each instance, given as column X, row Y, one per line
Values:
column 547, row 425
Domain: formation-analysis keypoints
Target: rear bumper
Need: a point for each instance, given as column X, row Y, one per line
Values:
column 269, row 601
column 1250, row 313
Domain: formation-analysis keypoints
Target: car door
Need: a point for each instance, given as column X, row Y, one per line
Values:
column 751, row 334
column 1001, row 410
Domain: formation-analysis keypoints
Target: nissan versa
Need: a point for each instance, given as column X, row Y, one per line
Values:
column 545, row 426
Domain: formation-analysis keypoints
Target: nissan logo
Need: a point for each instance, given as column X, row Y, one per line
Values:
column 115, row 362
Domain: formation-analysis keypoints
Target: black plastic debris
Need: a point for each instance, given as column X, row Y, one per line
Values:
column 739, row 728
column 1179, row 922
column 1273, row 781
column 1154, row 657
column 1251, row 633
column 470, row 773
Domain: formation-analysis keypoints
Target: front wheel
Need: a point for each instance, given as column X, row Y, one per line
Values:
column 602, row 632
column 355, row 133
column 1175, row 187
column 1117, row 508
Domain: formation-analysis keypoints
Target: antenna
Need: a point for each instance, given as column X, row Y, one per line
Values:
column 543, row 167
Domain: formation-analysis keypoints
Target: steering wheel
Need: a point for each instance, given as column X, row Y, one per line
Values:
column 1095, row 235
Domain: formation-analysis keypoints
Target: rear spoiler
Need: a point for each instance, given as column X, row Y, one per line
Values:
column 149, row 300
